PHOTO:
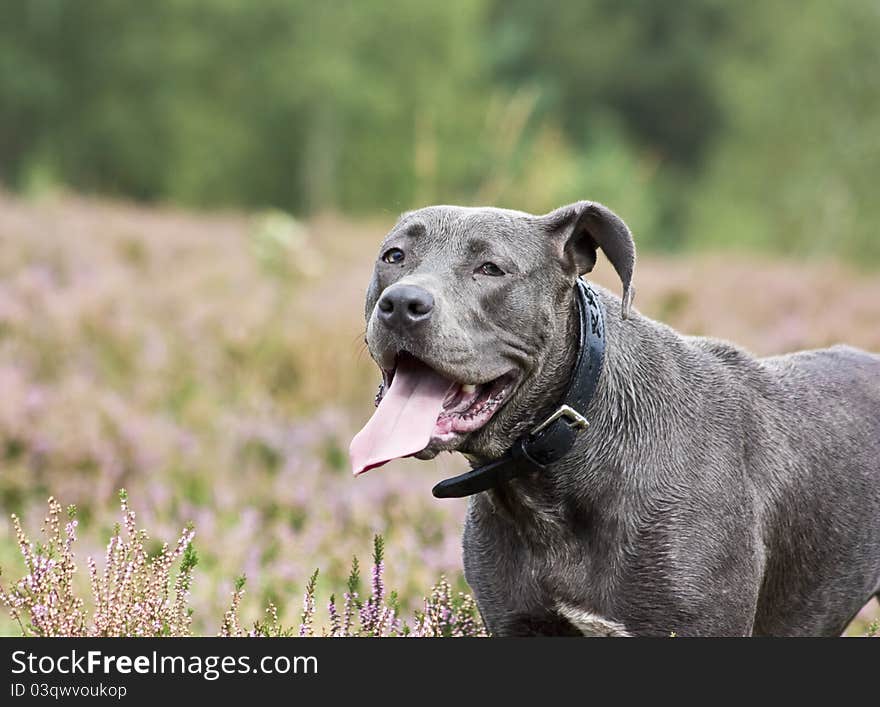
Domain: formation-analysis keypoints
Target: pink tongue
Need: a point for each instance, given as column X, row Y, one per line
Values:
column 403, row 422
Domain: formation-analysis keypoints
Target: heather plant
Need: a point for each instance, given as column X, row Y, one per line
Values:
column 376, row 616
column 136, row 594
column 45, row 597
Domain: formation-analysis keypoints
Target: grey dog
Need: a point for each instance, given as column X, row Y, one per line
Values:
column 713, row 493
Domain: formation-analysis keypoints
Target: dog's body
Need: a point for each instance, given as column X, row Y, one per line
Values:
column 712, row 494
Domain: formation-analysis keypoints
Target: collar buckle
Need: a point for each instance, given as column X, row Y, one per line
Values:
column 574, row 418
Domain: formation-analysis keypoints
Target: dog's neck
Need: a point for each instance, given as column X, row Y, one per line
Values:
column 544, row 444
column 550, row 383
column 558, row 498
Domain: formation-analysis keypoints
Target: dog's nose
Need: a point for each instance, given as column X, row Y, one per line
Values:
column 404, row 306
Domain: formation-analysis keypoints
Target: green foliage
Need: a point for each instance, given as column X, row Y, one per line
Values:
column 354, row 577
column 378, row 549
column 645, row 65
column 284, row 102
column 703, row 122
column 189, row 560
column 797, row 168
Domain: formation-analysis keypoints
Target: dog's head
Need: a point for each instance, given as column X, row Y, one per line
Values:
column 465, row 312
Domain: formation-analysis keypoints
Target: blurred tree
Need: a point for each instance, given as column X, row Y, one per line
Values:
column 283, row 102
column 697, row 120
column 797, row 169
column 648, row 64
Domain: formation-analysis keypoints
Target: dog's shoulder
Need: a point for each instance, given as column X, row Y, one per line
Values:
column 838, row 368
column 725, row 352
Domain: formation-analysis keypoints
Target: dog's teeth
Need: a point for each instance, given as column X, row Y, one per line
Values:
column 468, row 388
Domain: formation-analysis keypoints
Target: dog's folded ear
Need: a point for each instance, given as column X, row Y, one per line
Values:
column 581, row 228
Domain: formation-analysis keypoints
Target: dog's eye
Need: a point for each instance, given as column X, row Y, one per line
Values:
column 393, row 256
column 490, row 269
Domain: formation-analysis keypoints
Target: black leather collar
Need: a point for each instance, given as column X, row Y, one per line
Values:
column 551, row 440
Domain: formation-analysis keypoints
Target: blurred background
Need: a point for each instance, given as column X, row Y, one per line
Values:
column 192, row 192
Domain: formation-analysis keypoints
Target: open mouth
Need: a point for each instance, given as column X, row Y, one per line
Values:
column 466, row 406
column 417, row 406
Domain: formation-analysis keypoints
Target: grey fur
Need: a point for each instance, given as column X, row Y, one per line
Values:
column 714, row 493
